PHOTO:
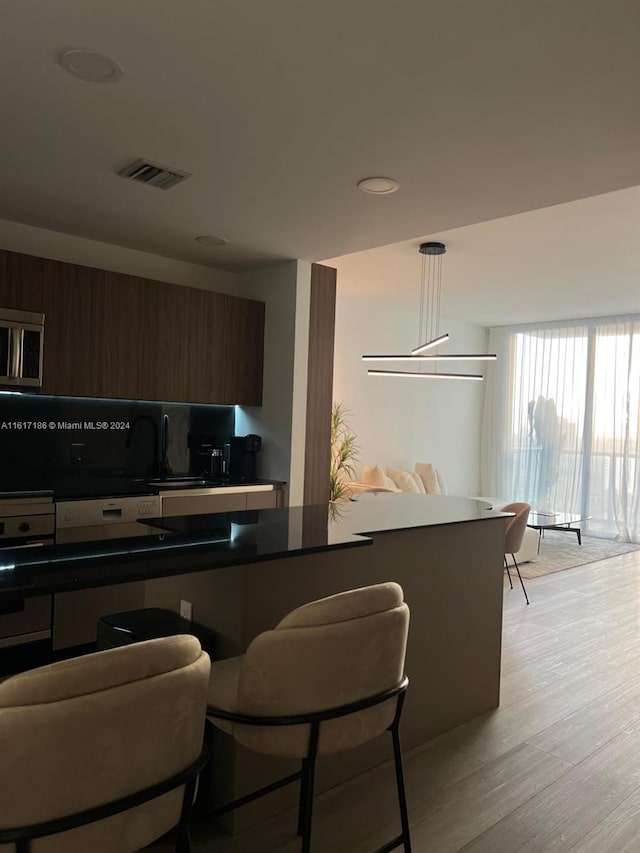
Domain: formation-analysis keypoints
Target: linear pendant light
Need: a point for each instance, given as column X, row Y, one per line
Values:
column 429, row 344
column 429, row 325
column 425, row 359
column 477, row 376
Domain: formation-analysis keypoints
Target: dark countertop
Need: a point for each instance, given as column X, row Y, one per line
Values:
column 204, row 542
column 26, row 493
column 380, row 512
column 375, row 513
column 229, row 539
column 82, row 487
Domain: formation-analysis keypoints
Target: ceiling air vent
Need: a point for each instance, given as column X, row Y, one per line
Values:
column 153, row 174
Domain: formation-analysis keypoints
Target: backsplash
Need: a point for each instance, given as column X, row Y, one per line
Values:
column 45, row 437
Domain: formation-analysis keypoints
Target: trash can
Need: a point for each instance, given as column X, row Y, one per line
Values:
column 134, row 626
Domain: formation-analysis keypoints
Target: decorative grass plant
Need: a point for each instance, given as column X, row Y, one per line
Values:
column 344, row 453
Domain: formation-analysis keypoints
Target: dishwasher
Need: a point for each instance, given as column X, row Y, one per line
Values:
column 76, row 614
column 105, row 518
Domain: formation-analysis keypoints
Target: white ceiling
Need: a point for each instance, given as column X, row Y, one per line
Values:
column 580, row 259
column 479, row 108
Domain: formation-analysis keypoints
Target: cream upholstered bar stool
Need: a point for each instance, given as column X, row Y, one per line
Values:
column 514, row 534
column 100, row 754
column 329, row 677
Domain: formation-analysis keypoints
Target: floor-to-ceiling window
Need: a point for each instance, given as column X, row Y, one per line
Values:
column 561, row 427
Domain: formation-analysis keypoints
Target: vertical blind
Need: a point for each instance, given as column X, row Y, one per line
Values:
column 561, row 425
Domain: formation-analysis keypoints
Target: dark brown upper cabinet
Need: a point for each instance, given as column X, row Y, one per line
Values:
column 124, row 337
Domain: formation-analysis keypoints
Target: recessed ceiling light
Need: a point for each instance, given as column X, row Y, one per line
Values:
column 212, row 240
column 378, row 186
column 91, row 66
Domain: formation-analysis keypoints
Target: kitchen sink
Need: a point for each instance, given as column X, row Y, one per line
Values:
column 187, row 478
column 172, row 483
column 184, row 482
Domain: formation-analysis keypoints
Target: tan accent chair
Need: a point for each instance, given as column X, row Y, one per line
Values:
column 514, row 535
column 329, row 677
column 84, row 736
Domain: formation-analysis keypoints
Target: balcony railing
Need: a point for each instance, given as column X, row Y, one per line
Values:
column 565, row 485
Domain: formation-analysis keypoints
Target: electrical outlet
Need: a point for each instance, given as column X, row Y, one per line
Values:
column 77, row 453
column 186, row 610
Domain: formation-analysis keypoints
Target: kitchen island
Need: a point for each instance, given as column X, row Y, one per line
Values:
column 244, row 571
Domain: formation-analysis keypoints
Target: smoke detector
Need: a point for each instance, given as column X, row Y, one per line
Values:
column 211, row 240
column 153, row 174
column 378, row 186
column 91, row 66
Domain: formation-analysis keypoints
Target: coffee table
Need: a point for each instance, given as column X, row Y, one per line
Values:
column 542, row 521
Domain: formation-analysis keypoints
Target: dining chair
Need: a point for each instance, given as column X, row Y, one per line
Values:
column 514, row 534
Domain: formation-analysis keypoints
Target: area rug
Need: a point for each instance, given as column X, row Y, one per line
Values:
column 560, row 551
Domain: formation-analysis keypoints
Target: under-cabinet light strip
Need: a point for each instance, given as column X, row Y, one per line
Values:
column 474, row 376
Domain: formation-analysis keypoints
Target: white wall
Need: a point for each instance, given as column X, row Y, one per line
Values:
column 399, row 422
column 16, row 237
column 285, row 288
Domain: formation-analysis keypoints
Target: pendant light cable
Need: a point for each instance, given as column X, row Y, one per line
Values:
column 421, row 314
column 429, row 335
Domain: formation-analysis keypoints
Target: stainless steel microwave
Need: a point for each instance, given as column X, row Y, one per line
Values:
column 21, row 344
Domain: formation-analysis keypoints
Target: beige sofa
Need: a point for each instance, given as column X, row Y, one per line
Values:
column 424, row 479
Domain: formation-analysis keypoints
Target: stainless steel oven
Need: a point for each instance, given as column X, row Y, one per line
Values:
column 21, row 348
column 25, row 522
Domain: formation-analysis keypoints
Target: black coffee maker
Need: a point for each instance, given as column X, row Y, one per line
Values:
column 241, row 455
column 212, row 462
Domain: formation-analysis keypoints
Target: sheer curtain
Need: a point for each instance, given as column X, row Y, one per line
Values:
column 561, row 425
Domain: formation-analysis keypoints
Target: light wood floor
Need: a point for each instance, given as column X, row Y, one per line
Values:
column 555, row 768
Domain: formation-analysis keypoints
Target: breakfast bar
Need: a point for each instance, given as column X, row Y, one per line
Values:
column 244, row 571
